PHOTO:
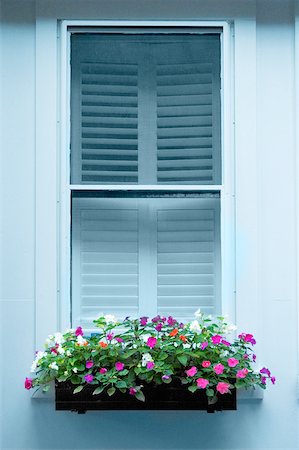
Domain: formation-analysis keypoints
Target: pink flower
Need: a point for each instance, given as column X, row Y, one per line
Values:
column 204, row 345
column 151, row 342
column 232, row 362
column 89, row 364
column 222, row 387
column 253, row 358
column 159, row 326
column 110, row 336
column 224, row 342
column 264, row 379
column 219, row 368
column 216, row 339
column 28, row 383
column 119, row 339
column 143, row 321
column 265, row 371
column 247, row 337
column 103, row 370
column 171, row 321
column 206, row 364
column 191, row 372
column 165, row 377
column 150, row 365
column 119, row 366
column 242, row 373
column 88, row 378
column 245, row 356
column 79, row 331
column 132, row 391
column 156, row 319
column 273, row 380
column 202, row 383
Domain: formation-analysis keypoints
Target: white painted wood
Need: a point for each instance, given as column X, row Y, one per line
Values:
column 149, row 187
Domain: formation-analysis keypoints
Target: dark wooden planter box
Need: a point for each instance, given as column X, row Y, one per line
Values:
column 162, row 397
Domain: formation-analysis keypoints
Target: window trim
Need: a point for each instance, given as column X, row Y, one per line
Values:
column 227, row 151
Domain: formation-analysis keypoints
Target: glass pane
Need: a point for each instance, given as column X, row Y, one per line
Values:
column 145, row 109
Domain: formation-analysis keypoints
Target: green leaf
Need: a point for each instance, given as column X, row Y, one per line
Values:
column 121, row 384
column 111, row 391
column 212, row 400
column 183, row 359
column 98, row 390
column 192, row 388
column 78, row 389
column 140, row 396
column 46, row 388
column 210, row 392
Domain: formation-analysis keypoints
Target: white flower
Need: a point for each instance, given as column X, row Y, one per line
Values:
column 75, row 370
column 186, row 346
column 69, row 330
column 53, row 366
column 175, row 344
column 198, row 313
column 39, row 355
column 65, row 373
column 194, row 326
column 81, row 340
column 61, row 350
column 58, row 338
column 33, row 367
column 110, row 319
column 146, row 357
column 145, row 337
column 68, row 353
column 229, row 328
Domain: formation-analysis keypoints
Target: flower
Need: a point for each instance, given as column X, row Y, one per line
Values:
column 58, row 338
column 75, row 370
column 143, row 321
column 206, row 364
column 53, row 366
column 119, row 366
column 151, row 342
column 171, row 321
column 242, row 373
column 89, row 364
column 159, row 327
column 273, row 380
column 224, row 342
column 185, row 345
column 265, row 371
column 132, row 391
column 195, row 327
column 88, row 378
column 216, row 339
column 204, row 345
column 28, row 383
column 81, row 341
column 191, row 372
column 146, row 357
column 183, row 338
column 247, row 337
column 60, row 350
column 79, row 331
column 222, row 387
column 174, row 332
column 202, row 383
column 198, row 313
column 118, row 339
column 263, row 380
column 150, row 365
column 156, row 319
column 232, row 362
column 165, row 377
column 219, row 368
column 103, row 344
column 102, row 370
column 110, row 319
column 109, row 336
column 68, row 353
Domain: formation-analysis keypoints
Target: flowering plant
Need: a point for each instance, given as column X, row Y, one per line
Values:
column 127, row 355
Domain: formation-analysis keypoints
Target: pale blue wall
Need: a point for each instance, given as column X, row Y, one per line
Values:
column 268, row 424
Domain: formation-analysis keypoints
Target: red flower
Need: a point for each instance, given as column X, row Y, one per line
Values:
column 28, row 383
column 174, row 332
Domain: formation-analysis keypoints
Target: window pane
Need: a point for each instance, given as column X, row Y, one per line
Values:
column 145, row 109
column 143, row 256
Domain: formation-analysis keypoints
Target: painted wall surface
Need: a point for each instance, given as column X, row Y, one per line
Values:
column 271, row 423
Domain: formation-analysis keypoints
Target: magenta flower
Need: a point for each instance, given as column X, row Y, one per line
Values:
column 242, row 373
column 191, row 372
column 165, row 377
column 156, row 319
column 88, row 378
column 219, row 368
column 151, row 342
column 79, row 331
column 265, row 371
column 216, row 339
column 253, row 358
column 159, row 326
column 28, row 383
column 132, row 391
column 89, row 364
column 204, row 345
column 245, row 356
column 247, row 337
column 273, row 380
column 119, row 366
column 119, row 339
column 171, row 321
column 224, row 342
column 222, row 387
column 102, row 370
column 110, row 336
column 143, row 321
column 202, row 383
column 232, row 362
column 206, row 364
column 264, row 380
column 150, row 365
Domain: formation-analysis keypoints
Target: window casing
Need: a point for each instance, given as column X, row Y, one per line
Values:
column 154, row 183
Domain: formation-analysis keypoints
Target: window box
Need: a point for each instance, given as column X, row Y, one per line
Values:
column 172, row 396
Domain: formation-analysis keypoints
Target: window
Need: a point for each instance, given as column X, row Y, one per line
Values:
column 146, row 179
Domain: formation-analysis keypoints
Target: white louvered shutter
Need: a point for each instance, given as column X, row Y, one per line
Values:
column 145, row 256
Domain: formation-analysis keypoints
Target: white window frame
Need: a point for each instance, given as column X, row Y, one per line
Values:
column 227, row 194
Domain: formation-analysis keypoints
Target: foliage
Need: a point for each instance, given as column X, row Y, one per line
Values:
column 126, row 355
